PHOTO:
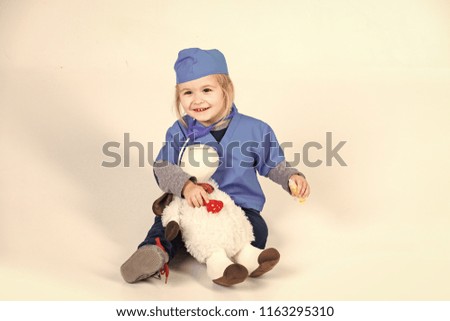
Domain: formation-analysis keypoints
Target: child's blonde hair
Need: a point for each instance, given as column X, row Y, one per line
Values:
column 225, row 84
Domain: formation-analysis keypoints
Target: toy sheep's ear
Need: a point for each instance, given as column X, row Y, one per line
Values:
column 160, row 204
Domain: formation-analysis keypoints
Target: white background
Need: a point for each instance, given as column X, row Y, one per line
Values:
column 77, row 74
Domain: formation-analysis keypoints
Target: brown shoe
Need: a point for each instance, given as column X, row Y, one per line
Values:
column 144, row 263
column 267, row 260
column 233, row 274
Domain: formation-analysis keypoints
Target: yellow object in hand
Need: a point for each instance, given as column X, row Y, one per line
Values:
column 295, row 191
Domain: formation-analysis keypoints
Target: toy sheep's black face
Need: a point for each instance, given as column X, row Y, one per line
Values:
column 200, row 161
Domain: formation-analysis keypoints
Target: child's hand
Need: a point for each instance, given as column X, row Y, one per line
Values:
column 299, row 187
column 194, row 194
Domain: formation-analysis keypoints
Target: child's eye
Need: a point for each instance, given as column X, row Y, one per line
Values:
column 187, row 92
column 207, row 90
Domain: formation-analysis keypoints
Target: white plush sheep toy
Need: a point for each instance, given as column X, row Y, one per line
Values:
column 218, row 234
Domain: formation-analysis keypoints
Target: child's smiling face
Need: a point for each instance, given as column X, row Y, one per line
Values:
column 202, row 99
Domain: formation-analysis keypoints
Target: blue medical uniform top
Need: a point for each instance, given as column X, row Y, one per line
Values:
column 248, row 146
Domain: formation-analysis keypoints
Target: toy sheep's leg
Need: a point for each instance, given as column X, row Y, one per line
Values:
column 171, row 231
column 223, row 271
column 171, row 219
column 257, row 261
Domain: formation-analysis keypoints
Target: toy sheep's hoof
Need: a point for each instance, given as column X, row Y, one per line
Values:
column 233, row 274
column 266, row 260
column 172, row 230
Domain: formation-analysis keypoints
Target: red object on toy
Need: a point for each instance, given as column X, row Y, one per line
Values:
column 214, row 206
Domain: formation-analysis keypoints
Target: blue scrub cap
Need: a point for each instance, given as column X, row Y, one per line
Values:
column 194, row 63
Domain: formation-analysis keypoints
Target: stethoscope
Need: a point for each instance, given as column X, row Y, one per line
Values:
column 196, row 131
